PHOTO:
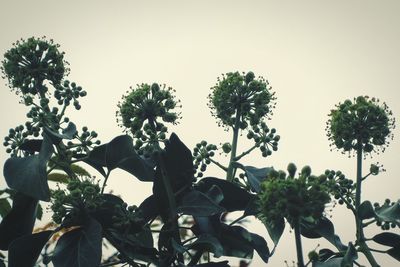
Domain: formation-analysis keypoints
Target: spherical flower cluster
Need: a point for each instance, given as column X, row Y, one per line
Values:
column 244, row 94
column 360, row 124
column 85, row 141
column 16, row 137
column 342, row 188
column 68, row 92
column 141, row 112
column 202, row 155
column 264, row 138
column 292, row 198
column 80, row 197
column 32, row 61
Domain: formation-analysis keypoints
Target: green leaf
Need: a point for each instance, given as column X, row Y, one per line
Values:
column 394, row 252
column 208, row 243
column 196, row 203
column 321, row 228
column 349, row 257
column 255, row 176
column 389, row 213
column 19, row 221
column 39, row 212
column 260, row 245
column 215, row 194
column 366, row 210
column 96, row 158
column 334, row 262
column 79, row 170
column 80, row 247
column 5, row 207
column 58, row 177
column 31, row 145
column 214, row 264
column 235, row 197
column 25, row 250
column 68, row 133
column 120, row 153
column 28, row 175
column 275, row 231
column 387, row 239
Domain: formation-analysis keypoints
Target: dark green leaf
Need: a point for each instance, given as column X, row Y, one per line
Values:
column 325, row 254
column 5, row 207
column 275, row 231
column 260, row 245
column 389, row 213
column 207, row 243
column 58, row 177
column 235, row 197
column 19, row 221
column 350, row 256
column 28, row 175
column 196, row 203
column 24, row 251
column 80, row 247
column 148, row 209
column 107, row 210
column 215, row 194
column 39, row 212
column 387, row 239
column 394, row 252
column 214, row 264
column 2, row 264
column 322, row 228
column 334, row 262
column 255, row 176
column 32, row 145
column 120, row 153
column 68, row 133
column 366, row 211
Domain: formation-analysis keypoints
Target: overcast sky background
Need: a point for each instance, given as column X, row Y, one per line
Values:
column 314, row 54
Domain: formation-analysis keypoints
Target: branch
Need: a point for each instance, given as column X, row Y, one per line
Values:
column 219, row 165
column 244, row 153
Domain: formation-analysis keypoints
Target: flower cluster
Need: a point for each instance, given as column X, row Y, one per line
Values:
column 202, row 155
column 16, row 137
column 342, row 188
column 141, row 112
column 31, row 62
column 67, row 92
column 292, row 198
column 363, row 123
column 80, row 196
column 86, row 141
column 244, row 94
column 264, row 138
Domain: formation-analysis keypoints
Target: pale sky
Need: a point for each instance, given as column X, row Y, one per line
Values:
column 314, row 54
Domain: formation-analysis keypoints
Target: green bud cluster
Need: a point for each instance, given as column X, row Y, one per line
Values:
column 30, row 62
column 386, row 223
column 375, row 169
column 141, row 111
column 264, row 138
column 292, row 198
column 202, row 155
column 68, row 92
column 80, row 196
column 243, row 93
column 362, row 123
column 340, row 187
column 15, row 138
column 85, row 142
column 125, row 216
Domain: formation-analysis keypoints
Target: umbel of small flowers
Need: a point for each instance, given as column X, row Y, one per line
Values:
column 293, row 198
column 363, row 123
column 143, row 111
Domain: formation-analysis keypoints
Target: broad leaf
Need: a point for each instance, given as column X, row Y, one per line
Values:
column 255, row 176
column 19, row 221
column 207, row 243
column 80, row 247
column 235, row 197
column 260, row 245
column 120, row 153
column 366, row 211
column 322, row 228
column 28, row 175
column 387, row 239
column 58, row 177
column 334, row 262
column 31, row 145
column 107, row 210
column 5, row 207
column 25, row 250
column 148, row 209
column 275, row 231
column 56, row 137
column 350, row 256
column 198, row 204
column 389, row 213
column 394, row 252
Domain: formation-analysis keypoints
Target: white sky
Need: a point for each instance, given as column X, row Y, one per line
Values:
column 314, row 54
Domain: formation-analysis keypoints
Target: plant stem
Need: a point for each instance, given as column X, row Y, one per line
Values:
column 219, row 165
column 245, row 153
column 105, row 182
column 360, row 233
column 299, row 249
column 236, row 127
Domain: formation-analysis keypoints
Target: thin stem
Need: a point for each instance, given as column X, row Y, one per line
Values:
column 112, row 263
column 219, row 165
column 299, row 249
column 245, row 153
column 236, row 127
column 360, row 233
column 237, row 220
column 368, row 223
column 105, row 182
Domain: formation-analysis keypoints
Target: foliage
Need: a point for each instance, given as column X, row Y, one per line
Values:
column 183, row 222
